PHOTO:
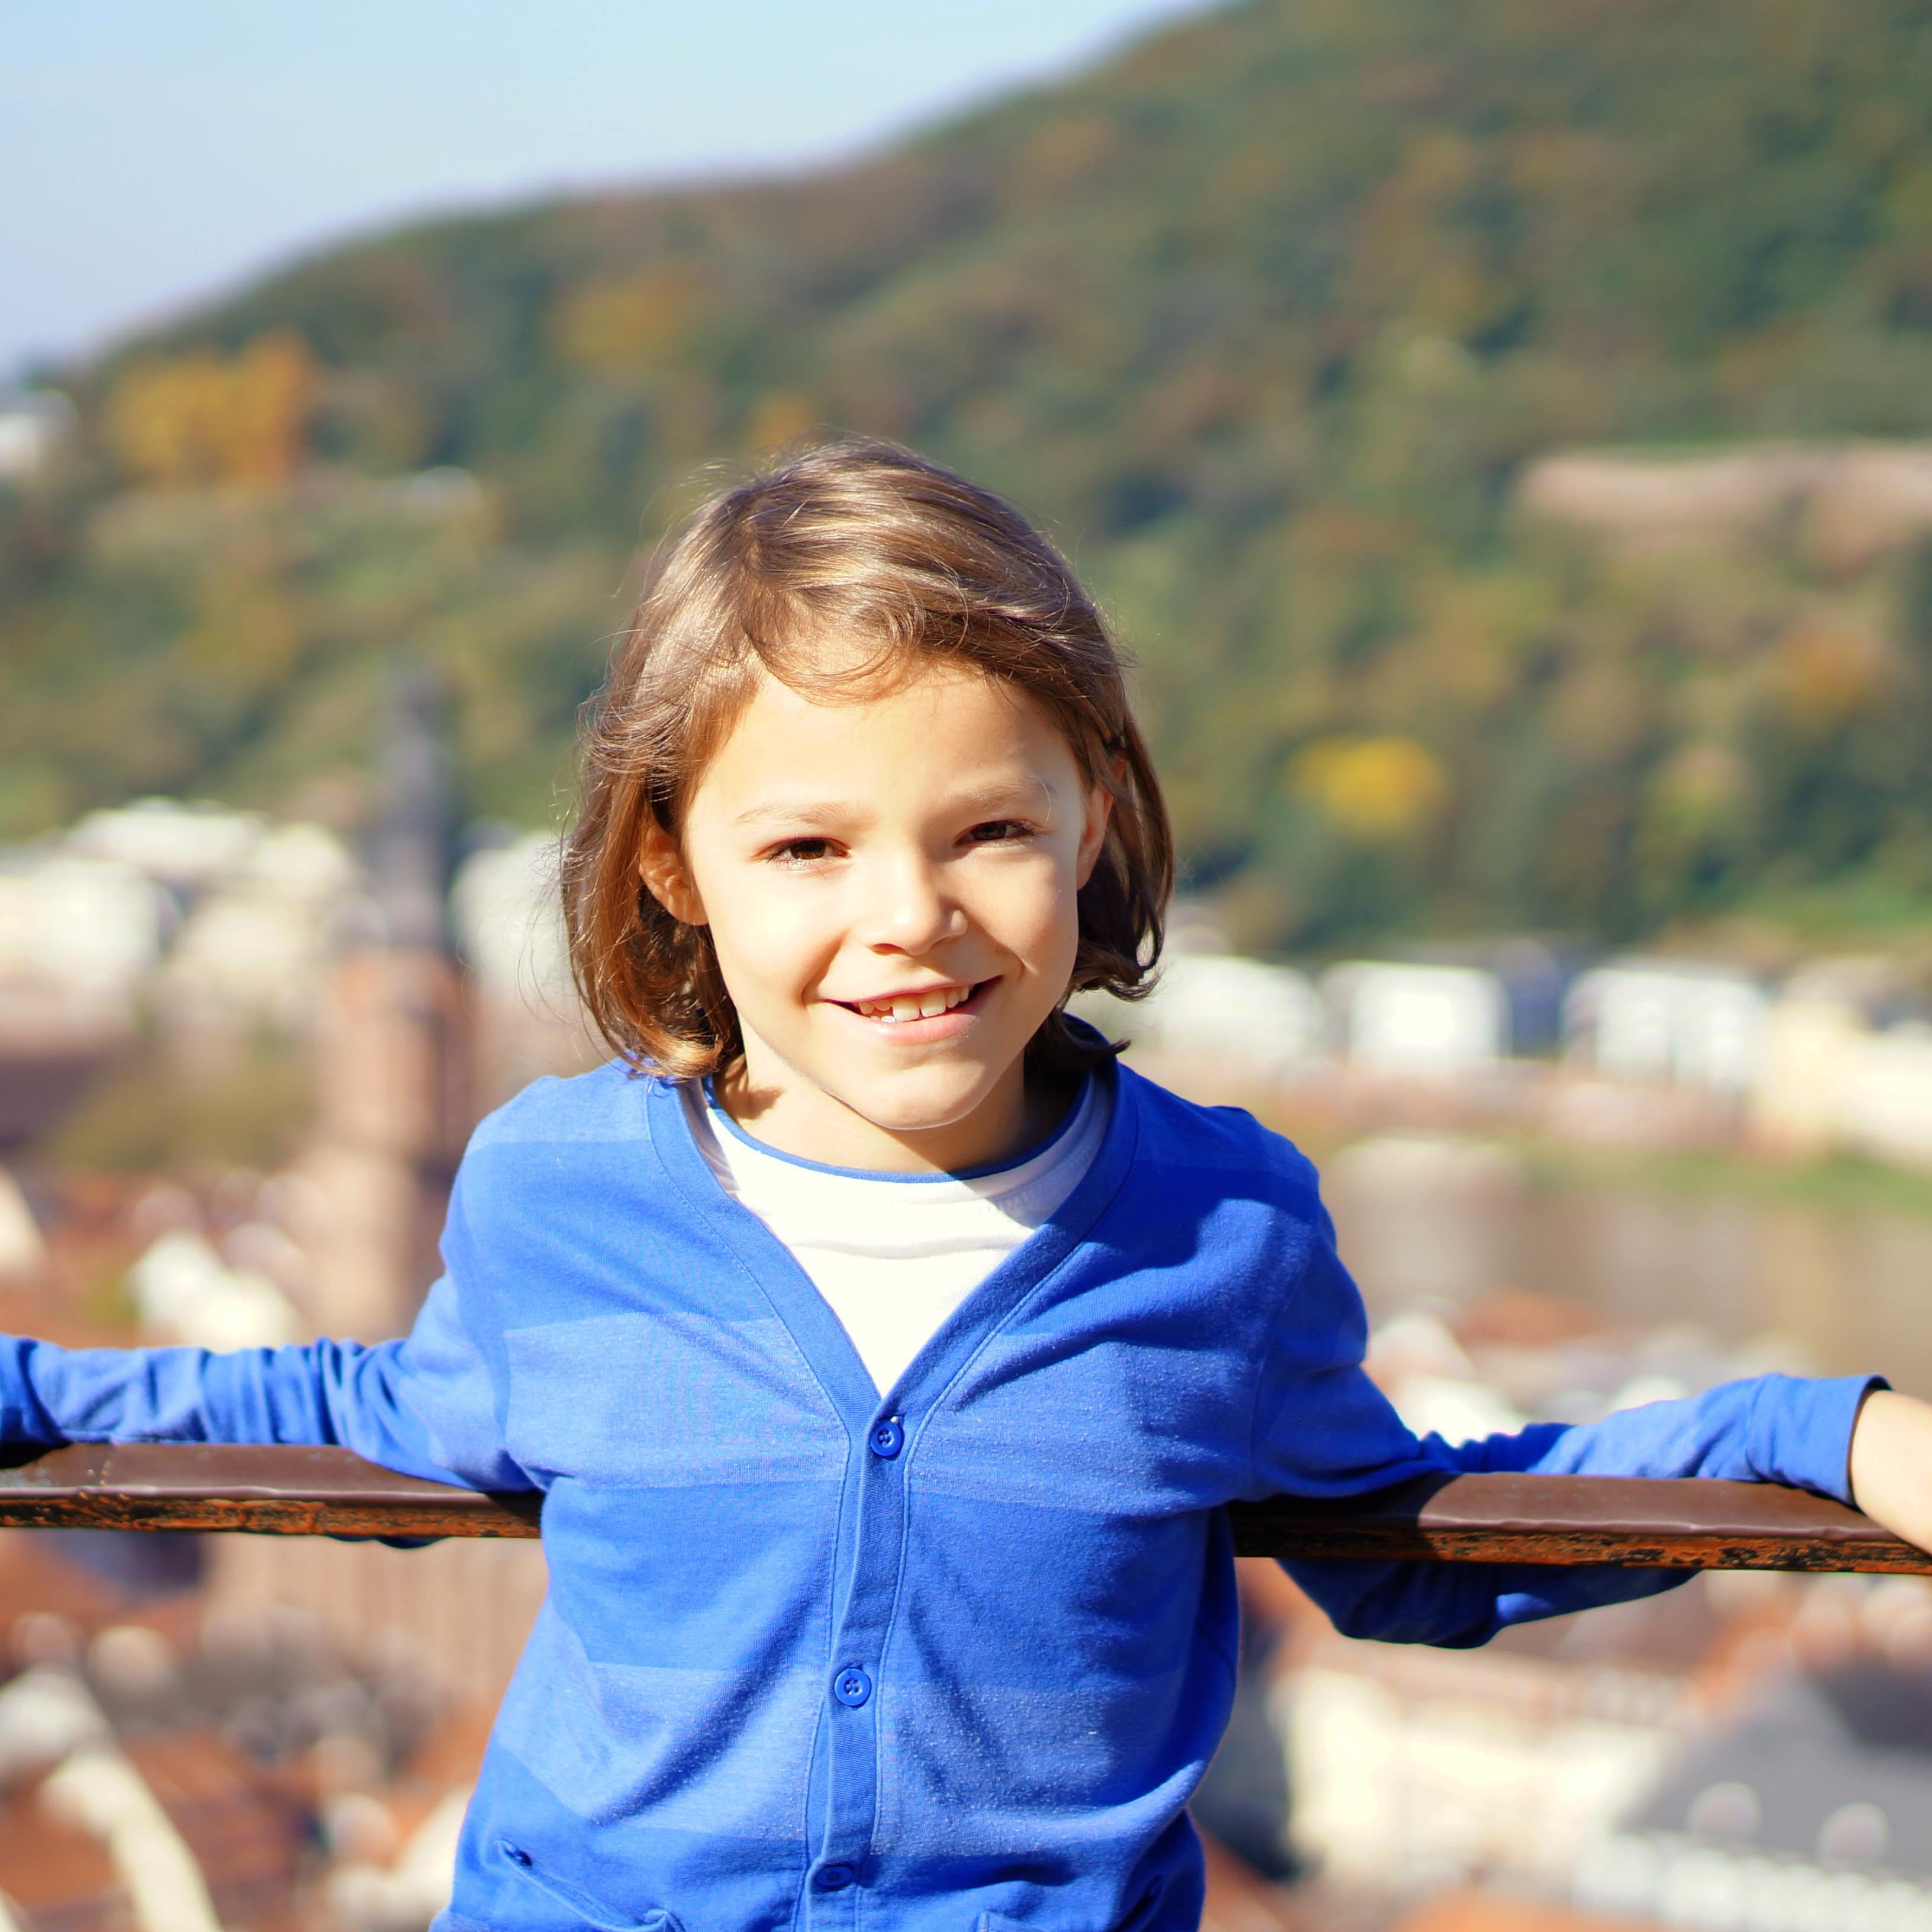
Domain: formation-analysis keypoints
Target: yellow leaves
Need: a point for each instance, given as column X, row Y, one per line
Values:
column 203, row 418
column 1823, row 675
column 645, row 318
column 1380, row 790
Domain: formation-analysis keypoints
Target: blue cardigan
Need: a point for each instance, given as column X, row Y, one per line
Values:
column 948, row 1661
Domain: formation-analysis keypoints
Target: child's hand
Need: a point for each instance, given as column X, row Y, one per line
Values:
column 1891, row 1465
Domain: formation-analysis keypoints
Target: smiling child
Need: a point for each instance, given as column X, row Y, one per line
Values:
column 884, row 1350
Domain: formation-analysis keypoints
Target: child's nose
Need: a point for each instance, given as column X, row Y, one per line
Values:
column 908, row 909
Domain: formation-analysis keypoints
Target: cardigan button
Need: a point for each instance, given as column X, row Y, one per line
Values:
column 852, row 1686
column 833, row 1878
column 888, row 1438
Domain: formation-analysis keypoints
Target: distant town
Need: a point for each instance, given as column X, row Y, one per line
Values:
column 209, row 926
column 1683, row 1761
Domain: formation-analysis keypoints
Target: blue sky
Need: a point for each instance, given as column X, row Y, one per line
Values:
column 152, row 154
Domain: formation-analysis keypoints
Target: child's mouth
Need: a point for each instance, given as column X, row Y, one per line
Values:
column 902, row 1008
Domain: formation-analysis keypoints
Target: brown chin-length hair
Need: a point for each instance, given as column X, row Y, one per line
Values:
column 863, row 544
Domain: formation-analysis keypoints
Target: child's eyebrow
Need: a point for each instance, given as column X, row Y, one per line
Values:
column 782, row 812
column 1017, row 794
column 1031, row 795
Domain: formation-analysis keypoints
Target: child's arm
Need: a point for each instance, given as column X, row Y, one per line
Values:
column 1323, row 1429
column 1891, row 1465
column 424, row 1404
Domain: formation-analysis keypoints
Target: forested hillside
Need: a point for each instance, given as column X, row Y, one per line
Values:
column 1263, row 319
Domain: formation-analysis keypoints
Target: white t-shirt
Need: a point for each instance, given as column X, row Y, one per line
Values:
column 895, row 1254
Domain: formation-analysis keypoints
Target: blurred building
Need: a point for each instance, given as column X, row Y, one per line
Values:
column 1851, row 502
column 393, row 1105
column 1265, row 1022
column 220, row 927
column 1752, row 1751
column 183, row 1291
column 214, row 923
column 395, row 1102
column 1812, row 1805
column 79, row 939
column 1414, row 1768
column 1847, row 1063
column 1419, row 1022
column 1535, row 977
column 1670, row 1023
column 1750, row 1754
column 1886, row 1110
column 23, row 1249
column 527, row 1020
column 255, row 949
column 185, row 847
column 86, row 930
column 166, row 1769
column 33, row 426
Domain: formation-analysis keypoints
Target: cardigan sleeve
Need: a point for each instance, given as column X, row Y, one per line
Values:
column 1323, row 1429
column 423, row 1404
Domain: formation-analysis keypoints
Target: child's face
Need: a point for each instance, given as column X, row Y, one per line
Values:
column 890, row 885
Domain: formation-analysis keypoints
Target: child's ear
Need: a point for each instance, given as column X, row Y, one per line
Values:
column 661, row 867
column 1093, row 833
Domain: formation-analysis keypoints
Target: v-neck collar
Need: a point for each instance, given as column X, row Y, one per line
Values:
column 807, row 1316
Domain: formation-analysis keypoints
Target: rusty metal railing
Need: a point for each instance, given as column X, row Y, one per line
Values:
column 1637, row 1523
column 1479, row 1519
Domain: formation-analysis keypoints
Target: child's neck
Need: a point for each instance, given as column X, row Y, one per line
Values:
column 797, row 1117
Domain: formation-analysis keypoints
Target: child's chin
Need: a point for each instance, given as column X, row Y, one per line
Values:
column 917, row 1103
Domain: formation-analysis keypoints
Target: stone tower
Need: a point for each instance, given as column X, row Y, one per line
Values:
column 393, row 1107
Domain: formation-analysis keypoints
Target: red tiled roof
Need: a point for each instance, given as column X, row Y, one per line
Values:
column 57, row 1874
column 1497, row 1912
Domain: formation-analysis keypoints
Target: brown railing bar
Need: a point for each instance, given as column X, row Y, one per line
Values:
column 1636, row 1523
column 283, row 1490
column 291, row 1491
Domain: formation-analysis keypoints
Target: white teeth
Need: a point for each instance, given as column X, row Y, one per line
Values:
column 914, row 1006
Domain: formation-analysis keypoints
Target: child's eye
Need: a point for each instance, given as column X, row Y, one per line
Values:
column 801, row 851
column 995, row 830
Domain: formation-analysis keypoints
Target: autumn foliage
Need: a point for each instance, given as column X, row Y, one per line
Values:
column 205, row 417
column 1272, row 320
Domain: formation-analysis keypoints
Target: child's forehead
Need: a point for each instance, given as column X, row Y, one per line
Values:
column 840, row 671
column 866, row 697
column 930, row 721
